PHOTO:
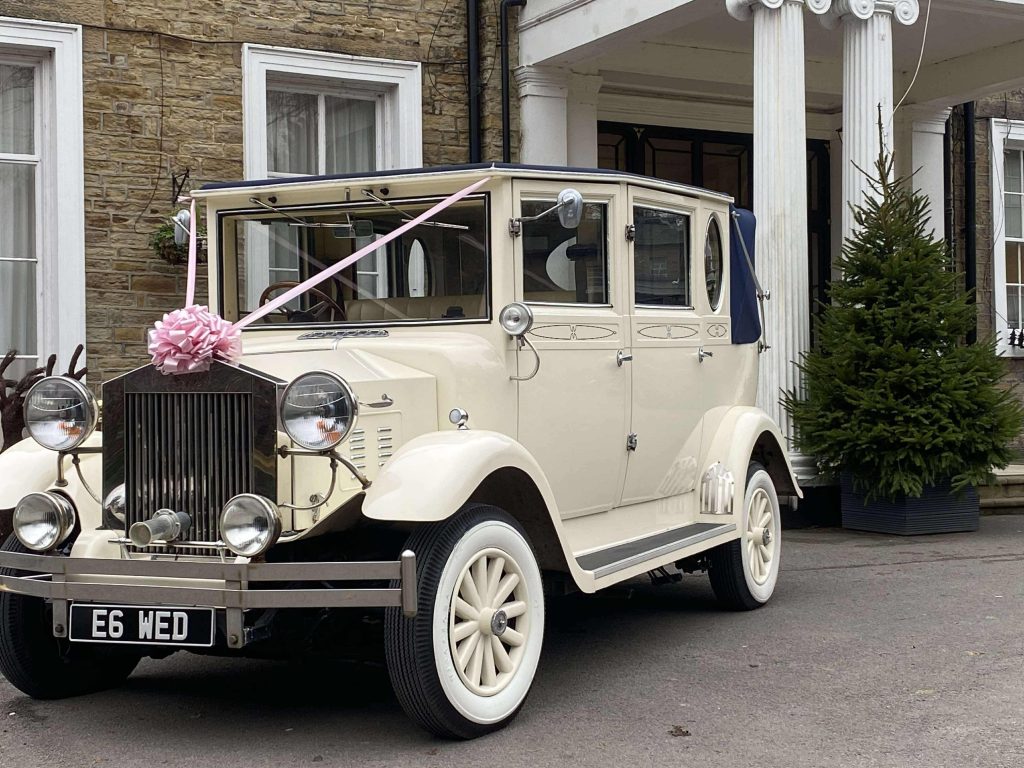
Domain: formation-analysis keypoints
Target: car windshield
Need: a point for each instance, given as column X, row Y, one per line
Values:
column 436, row 271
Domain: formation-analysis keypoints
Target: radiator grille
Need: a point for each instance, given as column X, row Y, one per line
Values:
column 189, row 452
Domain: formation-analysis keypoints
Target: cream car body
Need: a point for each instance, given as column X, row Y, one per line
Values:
column 627, row 452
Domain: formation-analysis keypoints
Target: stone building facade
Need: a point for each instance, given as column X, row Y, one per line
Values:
column 998, row 133
column 163, row 93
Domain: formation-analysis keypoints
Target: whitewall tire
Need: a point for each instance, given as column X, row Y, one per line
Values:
column 463, row 666
column 744, row 572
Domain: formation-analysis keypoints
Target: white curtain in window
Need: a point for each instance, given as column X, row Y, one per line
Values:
column 351, row 135
column 18, row 322
column 291, row 132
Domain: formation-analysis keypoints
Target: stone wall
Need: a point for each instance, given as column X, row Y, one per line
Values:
column 1004, row 106
column 163, row 92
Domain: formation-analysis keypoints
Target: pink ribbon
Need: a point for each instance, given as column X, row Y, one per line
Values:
column 318, row 278
column 188, row 339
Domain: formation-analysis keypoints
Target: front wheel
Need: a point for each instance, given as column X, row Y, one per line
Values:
column 744, row 572
column 46, row 667
column 462, row 667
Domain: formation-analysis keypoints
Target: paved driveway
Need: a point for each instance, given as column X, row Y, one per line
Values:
column 875, row 651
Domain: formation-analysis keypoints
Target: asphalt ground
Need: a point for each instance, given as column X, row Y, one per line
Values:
column 874, row 651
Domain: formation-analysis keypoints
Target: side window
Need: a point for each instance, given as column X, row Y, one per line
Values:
column 714, row 264
column 565, row 266
column 661, row 258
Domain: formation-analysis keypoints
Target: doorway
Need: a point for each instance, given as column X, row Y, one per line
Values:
column 723, row 161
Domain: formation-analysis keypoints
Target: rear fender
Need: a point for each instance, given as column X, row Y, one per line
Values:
column 745, row 434
column 27, row 467
column 432, row 476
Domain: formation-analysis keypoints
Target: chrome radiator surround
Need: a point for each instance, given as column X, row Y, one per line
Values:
column 189, row 442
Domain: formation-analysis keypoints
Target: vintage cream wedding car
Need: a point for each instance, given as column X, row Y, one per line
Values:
column 548, row 385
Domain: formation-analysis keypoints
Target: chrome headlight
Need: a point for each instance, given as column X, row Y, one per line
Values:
column 318, row 410
column 516, row 318
column 43, row 520
column 249, row 524
column 60, row 413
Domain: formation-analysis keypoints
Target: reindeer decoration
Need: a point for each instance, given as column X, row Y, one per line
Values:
column 12, row 393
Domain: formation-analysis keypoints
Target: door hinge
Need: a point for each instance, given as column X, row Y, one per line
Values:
column 630, row 232
column 631, row 441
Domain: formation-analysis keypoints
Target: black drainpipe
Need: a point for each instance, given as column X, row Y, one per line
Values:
column 473, row 54
column 506, row 130
column 970, row 209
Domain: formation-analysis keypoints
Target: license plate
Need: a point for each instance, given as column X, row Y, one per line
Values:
column 142, row 625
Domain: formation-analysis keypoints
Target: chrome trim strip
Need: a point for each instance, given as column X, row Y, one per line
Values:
column 672, row 546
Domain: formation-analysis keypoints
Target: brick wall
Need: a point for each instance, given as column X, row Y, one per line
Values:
column 163, row 92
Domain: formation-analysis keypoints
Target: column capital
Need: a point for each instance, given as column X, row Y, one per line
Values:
column 904, row 11
column 542, row 81
column 924, row 118
column 744, row 9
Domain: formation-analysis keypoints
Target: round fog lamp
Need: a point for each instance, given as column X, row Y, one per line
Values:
column 318, row 410
column 43, row 520
column 249, row 525
column 516, row 318
column 60, row 413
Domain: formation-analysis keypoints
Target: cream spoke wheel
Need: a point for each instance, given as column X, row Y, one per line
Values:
column 489, row 625
column 464, row 662
column 759, row 538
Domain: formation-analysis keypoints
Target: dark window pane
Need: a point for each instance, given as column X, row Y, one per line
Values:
column 611, row 152
column 726, row 170
column 564, row 265
column 17, row 109
column 661, row 258
column 669, row 159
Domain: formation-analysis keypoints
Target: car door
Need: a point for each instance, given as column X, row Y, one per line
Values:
column 666, row 336
column 573, row 415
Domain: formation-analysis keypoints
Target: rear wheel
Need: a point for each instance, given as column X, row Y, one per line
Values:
column 463, row 666
column 744, row 572
column 46, row 667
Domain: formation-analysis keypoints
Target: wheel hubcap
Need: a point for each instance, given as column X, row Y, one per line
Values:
column 488, row 624
column 759, row 540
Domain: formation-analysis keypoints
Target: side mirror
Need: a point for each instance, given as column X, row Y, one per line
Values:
column 355, row 228
column 569, row 206
column 517, row 319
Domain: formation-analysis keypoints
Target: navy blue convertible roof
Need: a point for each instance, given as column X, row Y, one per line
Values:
column 457, row 168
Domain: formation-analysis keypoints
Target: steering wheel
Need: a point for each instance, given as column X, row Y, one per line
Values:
column 312, row 315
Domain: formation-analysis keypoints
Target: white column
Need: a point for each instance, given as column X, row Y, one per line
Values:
column 867, row 87
column 780, row 189
column 920, row 155
column 543, row 115
column 582, row 120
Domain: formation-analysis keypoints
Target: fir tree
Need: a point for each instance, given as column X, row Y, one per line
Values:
column 891, row 393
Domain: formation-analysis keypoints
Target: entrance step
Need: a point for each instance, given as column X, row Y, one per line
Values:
column 1006, row 496
column 604, row 562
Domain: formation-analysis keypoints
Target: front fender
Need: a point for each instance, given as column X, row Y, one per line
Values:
column 742, row 433
column 27, row 467
column 432, row 476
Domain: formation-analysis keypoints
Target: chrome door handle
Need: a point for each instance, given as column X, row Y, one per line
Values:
column 701, row 354
column 621, row 357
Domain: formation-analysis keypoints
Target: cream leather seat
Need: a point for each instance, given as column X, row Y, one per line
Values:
column 412, row 308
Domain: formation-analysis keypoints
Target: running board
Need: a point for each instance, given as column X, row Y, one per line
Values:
column 605, row 562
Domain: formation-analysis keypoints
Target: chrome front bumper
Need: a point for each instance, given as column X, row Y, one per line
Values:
column 49, row 580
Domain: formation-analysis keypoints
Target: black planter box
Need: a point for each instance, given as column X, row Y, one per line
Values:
column 938, row 510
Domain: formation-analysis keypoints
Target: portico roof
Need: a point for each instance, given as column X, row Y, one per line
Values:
column 973, row 47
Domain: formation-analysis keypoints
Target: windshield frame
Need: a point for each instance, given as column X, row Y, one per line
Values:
column 223, row 216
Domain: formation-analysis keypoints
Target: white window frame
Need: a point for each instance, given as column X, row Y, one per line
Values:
column 1005, row 135
column 399, row 82
column 396, row 86
column 56, row 51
